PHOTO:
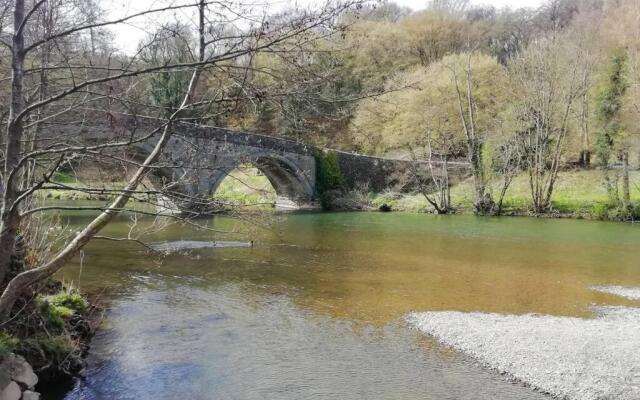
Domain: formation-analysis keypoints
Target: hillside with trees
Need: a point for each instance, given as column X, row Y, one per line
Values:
column 516, row 92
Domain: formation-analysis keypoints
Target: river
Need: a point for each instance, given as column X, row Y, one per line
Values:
column 315, row 308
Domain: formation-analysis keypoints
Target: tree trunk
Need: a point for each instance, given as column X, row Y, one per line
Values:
column 585, row 158
column 27, row 278
column 611, row 186
column 585, row 154
column 626, row 194
column 9, row 215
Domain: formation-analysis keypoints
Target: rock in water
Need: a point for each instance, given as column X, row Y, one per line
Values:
column 177, row 245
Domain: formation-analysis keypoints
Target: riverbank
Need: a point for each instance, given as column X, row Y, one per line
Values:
column 50, row 331
column 578, row 194
column 568, row 357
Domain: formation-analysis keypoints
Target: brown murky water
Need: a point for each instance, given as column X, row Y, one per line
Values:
column 314, row 309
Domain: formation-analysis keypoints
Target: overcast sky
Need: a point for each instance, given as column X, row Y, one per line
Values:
column 128, row 36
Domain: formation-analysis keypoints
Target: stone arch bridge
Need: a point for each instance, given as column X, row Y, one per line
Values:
column 199, row 157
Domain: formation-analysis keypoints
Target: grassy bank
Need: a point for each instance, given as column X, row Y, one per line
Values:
column 51, row 329
column 246, row 186
column 578, row 193
column 73, row 186
column 242, row 187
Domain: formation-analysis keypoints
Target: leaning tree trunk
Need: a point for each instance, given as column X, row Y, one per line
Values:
column 10, row 213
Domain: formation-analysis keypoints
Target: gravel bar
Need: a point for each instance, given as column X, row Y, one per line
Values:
column 568, row 357
column 631, row 293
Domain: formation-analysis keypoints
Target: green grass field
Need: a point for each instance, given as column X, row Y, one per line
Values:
column 83, row 181
column 578, row 192
column 246, row 186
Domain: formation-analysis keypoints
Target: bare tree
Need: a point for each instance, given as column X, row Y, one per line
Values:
column 507, row 162
column 549, row 83
column 450, row 6
column 430, row 166
column 76, row 87
column 468, row 112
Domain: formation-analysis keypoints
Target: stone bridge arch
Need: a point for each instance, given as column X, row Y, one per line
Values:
column 200, row 166
column 173, row 193
column 290, row 180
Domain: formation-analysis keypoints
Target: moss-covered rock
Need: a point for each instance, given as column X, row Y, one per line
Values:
column 71, row 300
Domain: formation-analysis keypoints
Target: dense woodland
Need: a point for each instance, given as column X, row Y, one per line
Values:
column 533, row 90
column 528, row 90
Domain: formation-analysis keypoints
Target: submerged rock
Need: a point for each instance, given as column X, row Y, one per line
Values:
column 177, row 245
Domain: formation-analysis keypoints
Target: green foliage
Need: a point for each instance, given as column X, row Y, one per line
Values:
column 61, row 177
column 54, row 315
column 609, row 105
column 602, row 211
column 54, row 349
column 246, row 186
column 171, row 46
column 401, row 202
column 62, row 311
column 328, row 173
column 59, row 344
column 51, row 332
column 422, row 102
column 8, row 343
column 56, row 309
column 614, row 212
column 168, row 89
column 329, row 179
column 70, row 300
column 578, row 192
